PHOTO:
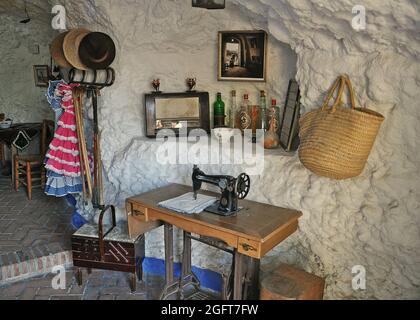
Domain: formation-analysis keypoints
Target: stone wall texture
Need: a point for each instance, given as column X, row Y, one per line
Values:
column 372, row 220
column 20, row 99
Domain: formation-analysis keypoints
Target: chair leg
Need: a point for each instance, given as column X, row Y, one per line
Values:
column 79, row 276
column 43, row 177
column 133, row 282
column 2, row 153
column 16, row 167
column 29, row 180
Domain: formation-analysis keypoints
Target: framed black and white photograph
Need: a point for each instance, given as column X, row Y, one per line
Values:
column 242, row 55
column 41, row 75
column 209, row 4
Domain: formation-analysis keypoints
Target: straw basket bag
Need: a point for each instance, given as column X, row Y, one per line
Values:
column 336, row 141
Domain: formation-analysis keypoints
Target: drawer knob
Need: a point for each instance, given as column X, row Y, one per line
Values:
column 137, row 213
column 248, row 247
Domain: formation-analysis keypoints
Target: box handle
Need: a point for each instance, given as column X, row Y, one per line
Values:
column 101, row 234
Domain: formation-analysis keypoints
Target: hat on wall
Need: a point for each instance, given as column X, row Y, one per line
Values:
column 71, row 46
column 57, row 53
column 97, row 50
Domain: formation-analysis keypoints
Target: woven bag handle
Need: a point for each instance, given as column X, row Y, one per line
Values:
column 347, row 82
column 343, row 81
column 339, row 83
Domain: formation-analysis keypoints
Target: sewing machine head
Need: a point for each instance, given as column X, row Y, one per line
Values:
column 231, row 188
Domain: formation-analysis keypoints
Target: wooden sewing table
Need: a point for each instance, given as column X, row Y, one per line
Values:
column 252, row 232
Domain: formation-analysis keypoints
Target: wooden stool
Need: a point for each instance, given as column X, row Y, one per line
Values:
column 110, row 250
column 289, row 283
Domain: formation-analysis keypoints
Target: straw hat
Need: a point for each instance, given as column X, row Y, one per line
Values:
column 97, row 50
column 71, row 46
column 57, row 52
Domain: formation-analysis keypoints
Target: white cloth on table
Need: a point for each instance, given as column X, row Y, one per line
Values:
column 187, row 204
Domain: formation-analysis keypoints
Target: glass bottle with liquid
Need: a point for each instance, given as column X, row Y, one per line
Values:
column 243, row 118
column 232, row 110
column 219, row 111
column 263, row 110
column 255, row 114
column 271, row 136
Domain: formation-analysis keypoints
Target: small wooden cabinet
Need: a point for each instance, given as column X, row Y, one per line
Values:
column 111, row 249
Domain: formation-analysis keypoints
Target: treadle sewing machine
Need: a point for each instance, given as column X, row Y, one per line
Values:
column 247, row 234
column 232, row 189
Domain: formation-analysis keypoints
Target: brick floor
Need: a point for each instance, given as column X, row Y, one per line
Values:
column 34, row 235
column 26, row 224
column 100, row 285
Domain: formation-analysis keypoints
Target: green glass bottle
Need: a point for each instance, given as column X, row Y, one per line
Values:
column 219, row 111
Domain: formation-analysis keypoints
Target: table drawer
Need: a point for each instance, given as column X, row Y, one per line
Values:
column 201, row 229
column 249, row 247
column 138, row 211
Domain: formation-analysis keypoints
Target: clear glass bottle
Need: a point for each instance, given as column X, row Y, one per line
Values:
column 271, row 136
column 232, row 110
column 263, row 107
column 243, row 118
column 273, row 116
column 255, row 114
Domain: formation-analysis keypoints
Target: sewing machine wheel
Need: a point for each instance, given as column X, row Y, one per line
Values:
column 243, row 185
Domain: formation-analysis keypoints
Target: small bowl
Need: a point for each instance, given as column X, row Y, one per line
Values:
column 223, row 134
column 6, row 124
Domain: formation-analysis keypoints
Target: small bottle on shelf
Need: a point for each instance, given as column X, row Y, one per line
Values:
column 219, row 111
column 263, row 108
column 255, row 121
column 243, row 118
column 271, row 136
column 232, row 110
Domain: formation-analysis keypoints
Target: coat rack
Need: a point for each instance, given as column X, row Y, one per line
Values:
column 93, row 81
column 92, row 78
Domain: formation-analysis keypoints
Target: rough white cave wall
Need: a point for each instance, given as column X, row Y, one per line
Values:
column 372, row 220
column 20, row 99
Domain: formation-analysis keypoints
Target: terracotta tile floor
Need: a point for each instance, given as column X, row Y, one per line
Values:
column 23, row 223
column 45, row 222
column 100, row 285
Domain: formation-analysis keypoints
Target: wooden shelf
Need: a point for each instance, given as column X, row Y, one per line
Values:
column 279, row 152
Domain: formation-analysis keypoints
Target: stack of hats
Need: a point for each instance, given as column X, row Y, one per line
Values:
column 83, row 50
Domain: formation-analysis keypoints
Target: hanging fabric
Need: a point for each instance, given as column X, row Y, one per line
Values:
column 62, row 159
column 55, row 100
column 63, row 156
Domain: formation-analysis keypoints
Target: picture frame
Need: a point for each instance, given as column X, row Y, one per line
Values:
column 289, row 127
column 41, row 75
column 209, row 4
column 242, row 55
column 172, row 110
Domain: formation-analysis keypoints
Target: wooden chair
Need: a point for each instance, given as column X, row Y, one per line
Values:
column 2, row 156
column 30, row 168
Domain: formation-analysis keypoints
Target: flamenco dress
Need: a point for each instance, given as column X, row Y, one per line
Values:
column 62, row 159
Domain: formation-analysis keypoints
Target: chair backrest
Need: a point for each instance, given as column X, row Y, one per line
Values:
column 47, row 134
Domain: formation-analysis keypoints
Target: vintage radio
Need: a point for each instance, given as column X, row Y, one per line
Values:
column 112, row 250
column 176, row 111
